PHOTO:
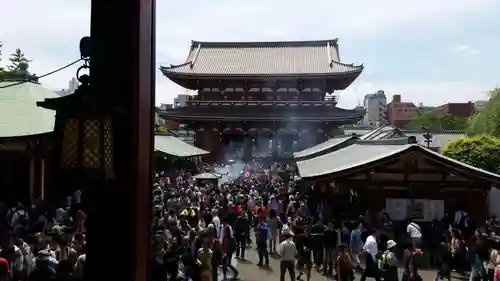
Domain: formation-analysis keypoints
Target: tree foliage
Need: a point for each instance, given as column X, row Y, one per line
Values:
column 479, row 151
column 437, row 122
column 487, row 120
column 15, row 59
column 158, row 129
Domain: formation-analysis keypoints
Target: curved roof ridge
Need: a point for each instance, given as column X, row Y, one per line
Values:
column 392, row 141
column 352, row 65
column 174, row 66
column 256, row 44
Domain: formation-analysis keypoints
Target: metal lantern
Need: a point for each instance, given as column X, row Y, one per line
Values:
column 83, row 127
column 87, row 143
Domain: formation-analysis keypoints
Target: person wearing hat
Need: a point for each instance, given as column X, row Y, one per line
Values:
column 388, row 262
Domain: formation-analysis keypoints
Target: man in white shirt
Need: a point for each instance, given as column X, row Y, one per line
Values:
column 288, row 252
column 460, row 219
column 415, row 233
column 371, row 246
column 371, row 249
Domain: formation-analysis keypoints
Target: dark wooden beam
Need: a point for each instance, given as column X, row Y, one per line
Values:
column 408, row 171
column 122, row 71
column 431, row 184
column 461, row 172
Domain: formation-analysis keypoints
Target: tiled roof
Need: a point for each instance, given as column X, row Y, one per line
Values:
column 264, row 113
column 323, row 147
column 439, row 139
column 173, row 146
column 19, row 113
column 263, row 59
column 365, row 153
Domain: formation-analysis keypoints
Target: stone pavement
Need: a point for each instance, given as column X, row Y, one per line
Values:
column 250, row 272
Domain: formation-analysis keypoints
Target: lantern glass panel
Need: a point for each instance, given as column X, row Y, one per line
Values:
column 108, row 144
column 69, row 148
column 91, row 153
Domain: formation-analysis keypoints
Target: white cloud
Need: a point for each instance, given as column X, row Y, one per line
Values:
column 48, row 31
column 463, row 50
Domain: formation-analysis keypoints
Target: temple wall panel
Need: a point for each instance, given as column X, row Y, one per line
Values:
column 261, row 94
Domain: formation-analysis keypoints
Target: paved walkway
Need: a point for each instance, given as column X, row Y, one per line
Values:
column 250, row 272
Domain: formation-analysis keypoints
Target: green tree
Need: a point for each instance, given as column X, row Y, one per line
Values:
column 436, row 122
column 15, row 59
column 487, row 120
column 479, row 151
column 2, row 70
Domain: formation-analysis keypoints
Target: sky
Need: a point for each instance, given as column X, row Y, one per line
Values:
column 430, row 51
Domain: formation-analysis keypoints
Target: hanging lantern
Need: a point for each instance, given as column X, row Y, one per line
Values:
column 84, row 130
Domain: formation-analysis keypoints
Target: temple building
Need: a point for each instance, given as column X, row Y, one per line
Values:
column 258, row 97
column 25, row 137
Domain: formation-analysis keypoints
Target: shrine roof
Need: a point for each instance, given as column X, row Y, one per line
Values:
column 247, row 59
column 19, row 113
column 365, row 153
column 262, row 113
column 322, row 148
column 173, row 146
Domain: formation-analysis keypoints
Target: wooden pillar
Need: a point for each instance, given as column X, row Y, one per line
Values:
column 198, row 138
column 320, row 136
column 122, row 70
column 216, row 145
column 32, row 176
column 42, row 178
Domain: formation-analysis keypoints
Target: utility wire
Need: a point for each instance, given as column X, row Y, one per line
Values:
column 42, row 76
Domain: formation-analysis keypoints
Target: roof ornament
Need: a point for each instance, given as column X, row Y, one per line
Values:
column 193, row 61
column 329, row 55
column 21, row 74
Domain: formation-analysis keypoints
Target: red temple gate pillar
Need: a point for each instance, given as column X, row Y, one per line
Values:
column 209, row 139
column 216, row 139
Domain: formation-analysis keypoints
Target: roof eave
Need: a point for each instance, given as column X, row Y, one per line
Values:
column 491, row 177
column 27, row 136
column 359, row 167
column 301, row 157
column 250, row 44
column 178, row 74
column 184, row 79
column 186, row 117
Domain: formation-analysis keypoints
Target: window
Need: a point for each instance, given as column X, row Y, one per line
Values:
column 269, row 97
column 250, row 98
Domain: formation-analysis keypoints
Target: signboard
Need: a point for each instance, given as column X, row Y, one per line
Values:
column 416, row 209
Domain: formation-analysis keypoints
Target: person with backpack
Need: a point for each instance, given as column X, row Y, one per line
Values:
column 18, row 218
column 388, row 262
column 45, row 267
column 415, row 233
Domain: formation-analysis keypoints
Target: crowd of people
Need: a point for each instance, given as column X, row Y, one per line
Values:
column 200, row 227
column 43, row 243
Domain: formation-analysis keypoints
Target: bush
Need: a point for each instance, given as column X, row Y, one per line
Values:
column 479, row 151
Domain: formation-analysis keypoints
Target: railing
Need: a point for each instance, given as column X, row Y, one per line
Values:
column 328, row 102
